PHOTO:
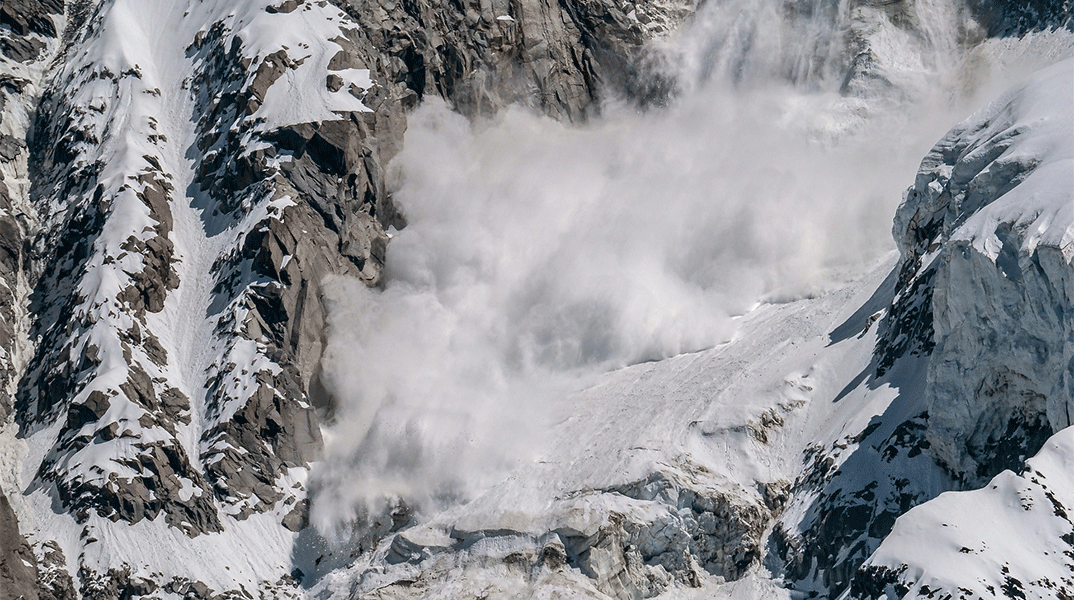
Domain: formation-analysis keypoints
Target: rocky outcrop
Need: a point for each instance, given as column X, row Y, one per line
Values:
column 1016, row 17
column 26, row 17
column 849, row 496
column 986, row 286
column 556, row 57
column 313, row 214
column 28, row 32
column 18, row 566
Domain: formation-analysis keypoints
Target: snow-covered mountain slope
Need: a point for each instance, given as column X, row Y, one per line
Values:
column 667, row 475
column 778, row 463
column 153, row 398
column 992, row 209
column 782, row 459
column 1010, row 539
column 990, row 212
column 181, row 182
column 180, row 177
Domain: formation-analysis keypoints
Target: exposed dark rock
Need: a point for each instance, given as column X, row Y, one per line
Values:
column 18, row 566
column 25, row 29
column 298, row 518
column 875, row 582
column 881, row 474
column 1017, row 17
column 31, row 16
column 285, row 7
column 21, row 49
column 54, row 580
column 116, row 584
column 10, row 147
column 557, row 58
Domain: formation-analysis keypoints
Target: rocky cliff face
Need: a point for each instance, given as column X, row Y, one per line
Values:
column 990, row 218
column 982, row 226
column 975, row 336
column 558, row 58
column 18, row 566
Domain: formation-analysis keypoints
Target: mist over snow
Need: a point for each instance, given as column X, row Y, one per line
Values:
column 539, row 254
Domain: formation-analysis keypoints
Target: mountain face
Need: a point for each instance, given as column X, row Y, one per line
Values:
column 178, row 180
column 985, row 214
column 170, row 212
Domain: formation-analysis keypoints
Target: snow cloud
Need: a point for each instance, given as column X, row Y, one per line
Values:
column 539, row 254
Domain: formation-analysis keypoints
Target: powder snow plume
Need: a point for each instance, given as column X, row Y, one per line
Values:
column 538, row 254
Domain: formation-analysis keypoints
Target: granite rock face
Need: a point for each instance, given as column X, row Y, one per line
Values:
column 18, row 566
column 555, row 57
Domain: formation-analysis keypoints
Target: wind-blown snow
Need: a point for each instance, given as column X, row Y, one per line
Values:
column 572, row 307
column 538, row 253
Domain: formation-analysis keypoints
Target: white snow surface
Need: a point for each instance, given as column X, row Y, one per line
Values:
column 1010, row 535
column 693, row 416
column 148, row 112
column 1041, row 115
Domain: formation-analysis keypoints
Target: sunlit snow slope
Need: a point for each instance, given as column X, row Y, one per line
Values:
column 1001, row 380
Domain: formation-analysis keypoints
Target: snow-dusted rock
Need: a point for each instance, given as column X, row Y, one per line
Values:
column 987, row 241
column 986, row 282
column 178, row 178
column 975, row 335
